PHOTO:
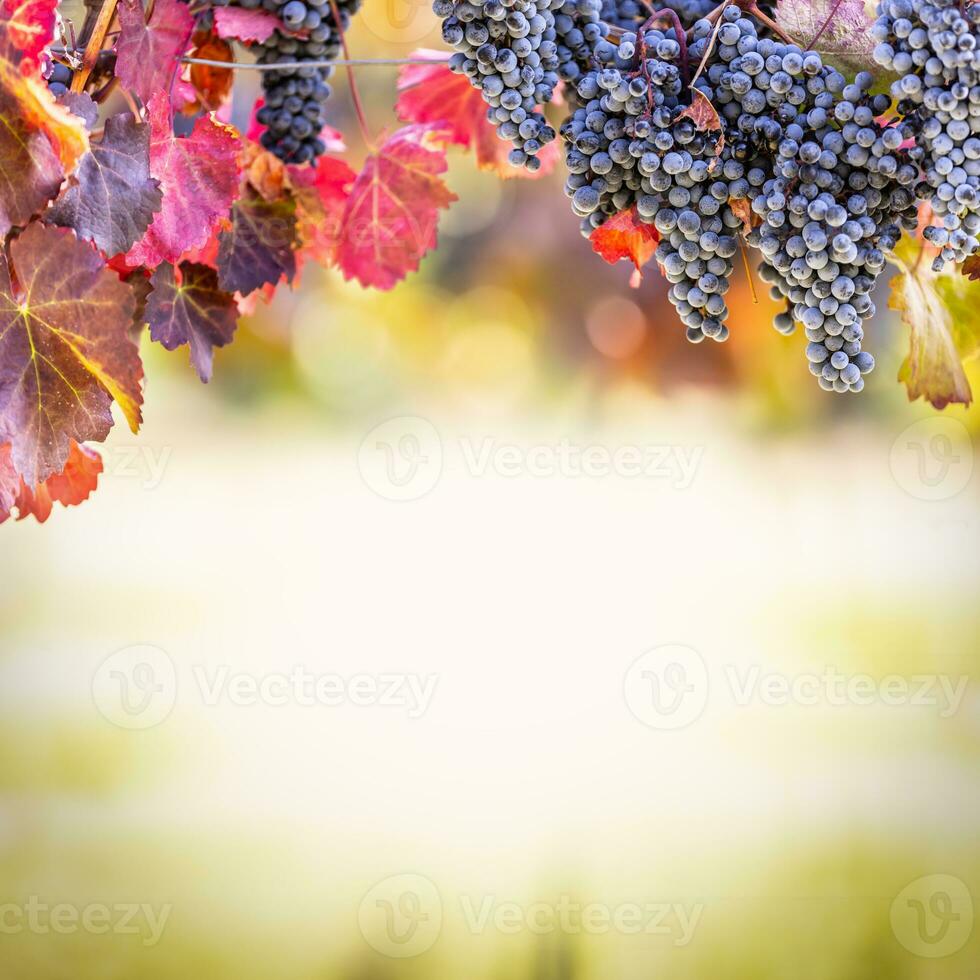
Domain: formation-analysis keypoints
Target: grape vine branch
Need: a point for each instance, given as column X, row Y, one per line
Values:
column 130, row 205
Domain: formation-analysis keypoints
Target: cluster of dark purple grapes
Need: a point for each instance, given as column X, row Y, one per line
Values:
column 296, row 94
column 830, row 189
column 934, row 47
column 509, row 50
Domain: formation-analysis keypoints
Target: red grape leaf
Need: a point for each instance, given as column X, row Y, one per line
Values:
column 113, row 198
column 69, row 487
column 211, row 85
column 26, row 28
column 624, row 236
column 392, row 212
column 199, row 176
column 434, row 94
column 40, row 144
column 147, row 52
column 65, row 349
column 239, row 24
column 187, row 307
column 321, row 197
column 258, row 248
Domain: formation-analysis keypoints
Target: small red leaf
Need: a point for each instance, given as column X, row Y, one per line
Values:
column 624, row 236
column 239, row 24
column 971, row 267
column 199, row 175
column 147, row 52
column 391, row 215
column 433, row 94
column 69, row 487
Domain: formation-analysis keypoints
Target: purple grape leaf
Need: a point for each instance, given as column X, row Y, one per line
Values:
column 838, row 30
column 188, row 307
column 113, row 197
column 258, row 248
column 81, row 105
column 65, row 350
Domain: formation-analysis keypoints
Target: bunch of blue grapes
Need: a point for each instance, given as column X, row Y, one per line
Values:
column 935, row 49
column 294, row 113
column 838, row 196
column 508, row 49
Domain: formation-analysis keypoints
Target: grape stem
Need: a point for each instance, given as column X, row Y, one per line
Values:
column 94, row 45
column 294, row 65
column 354, row 92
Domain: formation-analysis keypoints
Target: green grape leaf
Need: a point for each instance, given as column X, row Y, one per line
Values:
column 942, row 310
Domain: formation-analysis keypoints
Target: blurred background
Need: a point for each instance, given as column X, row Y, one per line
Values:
column 485, row 628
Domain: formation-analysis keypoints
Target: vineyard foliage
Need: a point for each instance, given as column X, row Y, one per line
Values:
column 163, row 219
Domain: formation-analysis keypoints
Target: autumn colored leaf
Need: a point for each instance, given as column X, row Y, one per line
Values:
column 188, row 307
column 433, row 94
column 65, row 350
column 239, row 24
column 69, row 487
column 390, row 218
column 704, row 116
column 941, row 311
column 838, row 30
column 41, row 142
column 624, row 236
column 742, row 209
column 199, row 177
column 26, row 29
column 212, row 86
column 321, row 194
column 113, row 198
column 147, row 51
column 971, row 267
column 258, row 248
